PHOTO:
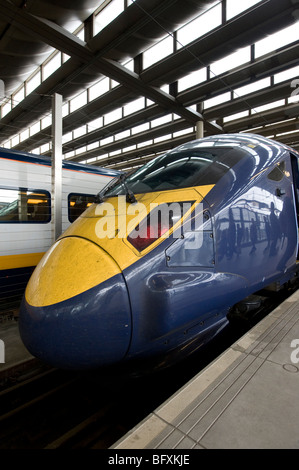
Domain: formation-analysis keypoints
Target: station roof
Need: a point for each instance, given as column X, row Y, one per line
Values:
column 32, row 31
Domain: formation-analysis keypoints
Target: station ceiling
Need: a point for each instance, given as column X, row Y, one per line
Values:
column 31, row 29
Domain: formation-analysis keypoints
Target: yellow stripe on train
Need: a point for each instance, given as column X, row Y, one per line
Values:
column 81, row 259
column 20, row 261
column 117, row 246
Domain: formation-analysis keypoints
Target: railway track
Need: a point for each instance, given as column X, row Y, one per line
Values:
column 55, row 409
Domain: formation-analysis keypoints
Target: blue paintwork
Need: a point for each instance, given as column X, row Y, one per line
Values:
column 246, row 246
column 81, row 332
column 180, row 300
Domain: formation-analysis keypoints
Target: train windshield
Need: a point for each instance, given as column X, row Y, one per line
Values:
column 180, row 169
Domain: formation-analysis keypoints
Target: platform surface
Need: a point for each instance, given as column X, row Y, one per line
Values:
column 248, row 398
column 14, row 352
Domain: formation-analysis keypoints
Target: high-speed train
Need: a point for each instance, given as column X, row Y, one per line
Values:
column 26, row 222
column 156, row 266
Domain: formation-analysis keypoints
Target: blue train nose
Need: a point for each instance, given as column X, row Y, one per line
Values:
column 76, row 312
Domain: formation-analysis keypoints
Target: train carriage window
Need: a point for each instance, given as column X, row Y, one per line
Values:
column 278, row 172
column 24, row 206
column 78, row 203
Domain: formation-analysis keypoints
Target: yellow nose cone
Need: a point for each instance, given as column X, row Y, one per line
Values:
column 71, row 266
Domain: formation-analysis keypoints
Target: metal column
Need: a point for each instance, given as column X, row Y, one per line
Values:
column 199, row 124
column 199, row 129
column 57, row 165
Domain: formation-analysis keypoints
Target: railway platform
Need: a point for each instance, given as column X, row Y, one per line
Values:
column 14, row 357
column 245, row 399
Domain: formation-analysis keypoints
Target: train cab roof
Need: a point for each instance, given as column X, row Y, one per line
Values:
column 246, row 140
column 204, row 161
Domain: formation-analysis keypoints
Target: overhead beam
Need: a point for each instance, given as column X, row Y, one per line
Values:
column 250, row 101
column 44, row 30
column 247, row 73
column 260, row 97
column 60, row 39
column 261, row 20
column 64, row 79
column 276, row 64
column 151, row 134
column 244, row 74
column 271, row 117
column 150, row 150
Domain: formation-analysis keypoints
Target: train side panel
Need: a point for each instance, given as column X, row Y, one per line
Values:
column 27, row 236
column 24, row 174
column 26, row 222
column 23, row 237
column 258, row 231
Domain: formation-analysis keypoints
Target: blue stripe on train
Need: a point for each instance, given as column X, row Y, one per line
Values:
column 46, row 161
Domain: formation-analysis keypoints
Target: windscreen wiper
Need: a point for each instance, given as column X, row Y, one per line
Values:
column 99, row 198
column 130, row 196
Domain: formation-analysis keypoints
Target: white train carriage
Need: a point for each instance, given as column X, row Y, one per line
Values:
column 26, row 211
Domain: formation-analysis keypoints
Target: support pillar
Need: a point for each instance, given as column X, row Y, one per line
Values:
column 199, row 129
column 199, row 124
